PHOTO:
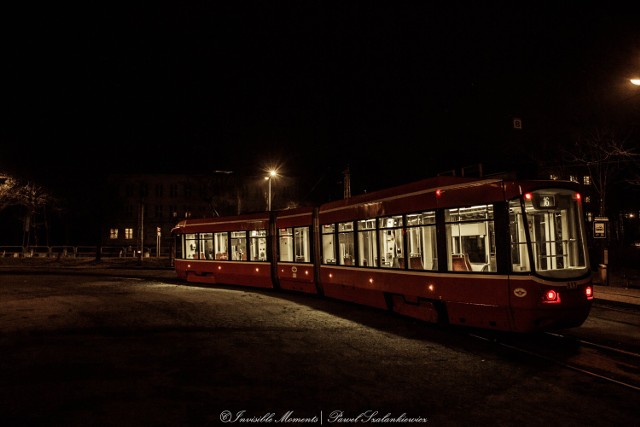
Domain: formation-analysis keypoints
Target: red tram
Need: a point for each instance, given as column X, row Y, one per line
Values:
column 488, row 253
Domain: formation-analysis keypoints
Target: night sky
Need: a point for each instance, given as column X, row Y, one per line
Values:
column 397, row 91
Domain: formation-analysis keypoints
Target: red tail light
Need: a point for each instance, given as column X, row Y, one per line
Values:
column 551, row 297
column 589, row 292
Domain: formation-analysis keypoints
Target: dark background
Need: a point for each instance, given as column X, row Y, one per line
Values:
column 396, row 91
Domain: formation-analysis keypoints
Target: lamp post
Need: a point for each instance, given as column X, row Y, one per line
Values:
column 272, row 174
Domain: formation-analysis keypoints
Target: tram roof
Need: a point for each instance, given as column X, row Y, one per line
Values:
column 431, row 193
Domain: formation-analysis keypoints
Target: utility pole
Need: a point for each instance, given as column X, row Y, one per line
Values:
column 347, row 183
column 141, row 235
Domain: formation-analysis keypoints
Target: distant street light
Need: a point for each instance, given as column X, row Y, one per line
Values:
column 272, row 174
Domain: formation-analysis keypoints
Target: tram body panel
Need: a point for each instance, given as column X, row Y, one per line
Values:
column 476, row 300
column 353, row 285
column 254, row 274
column 533, row 310
column 297, row 277
column 466, row 299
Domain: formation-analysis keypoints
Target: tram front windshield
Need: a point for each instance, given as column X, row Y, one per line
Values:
column 552, row 221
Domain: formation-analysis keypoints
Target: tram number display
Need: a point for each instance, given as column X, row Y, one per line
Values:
column 545, row 201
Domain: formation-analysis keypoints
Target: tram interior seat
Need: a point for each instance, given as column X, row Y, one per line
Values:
column 479, row 266
column 415, row 263
column 460, row 262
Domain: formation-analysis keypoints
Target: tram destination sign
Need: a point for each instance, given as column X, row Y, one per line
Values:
column 600, row 227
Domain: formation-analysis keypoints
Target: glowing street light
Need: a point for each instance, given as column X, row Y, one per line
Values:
column 272, row 174
column 635, row 82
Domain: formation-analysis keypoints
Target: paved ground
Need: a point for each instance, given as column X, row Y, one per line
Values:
column 93, row 349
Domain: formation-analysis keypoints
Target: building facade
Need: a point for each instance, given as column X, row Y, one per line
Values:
column 145, row 207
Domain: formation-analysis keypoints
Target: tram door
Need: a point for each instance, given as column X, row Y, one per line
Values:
column 519, row 252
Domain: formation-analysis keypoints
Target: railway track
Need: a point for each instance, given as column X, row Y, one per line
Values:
column 606, row 362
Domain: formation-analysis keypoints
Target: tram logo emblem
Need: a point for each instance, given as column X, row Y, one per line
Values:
column 520, row 292
column 294, row 270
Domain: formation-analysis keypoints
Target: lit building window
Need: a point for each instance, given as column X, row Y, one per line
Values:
column 587, row 199
column 573, row 178
column 586, row 180
column 113, row 233
column 589, row 216
column 553, row 176
column 128, row 233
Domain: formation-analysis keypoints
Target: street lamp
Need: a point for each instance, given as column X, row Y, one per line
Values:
column 272, row 174
column 635, row 82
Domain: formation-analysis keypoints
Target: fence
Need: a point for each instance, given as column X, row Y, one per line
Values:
column 79, row 252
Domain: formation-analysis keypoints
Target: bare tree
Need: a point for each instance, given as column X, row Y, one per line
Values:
column 32, row 201
column 604, row 154
column 8, row 191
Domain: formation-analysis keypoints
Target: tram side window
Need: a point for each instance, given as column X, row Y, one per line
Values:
column 294, row 244
column 391, row 246
column 238, row 245
column 421, row 241
column 328, row 244
column 285, row 244
column 206, row 245
column 367, row 243
column 191, row 246
column 346, row 247
column 302, row 244
column 470, row 239
column 258, row 245
column 221, row 245
column 519, row 251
